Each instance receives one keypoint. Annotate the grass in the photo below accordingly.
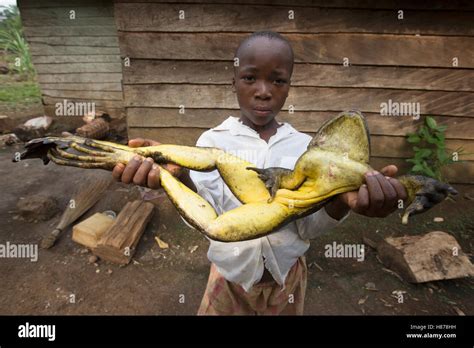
(18, 92)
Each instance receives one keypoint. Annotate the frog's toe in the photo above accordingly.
(271, 177)
(430, 193)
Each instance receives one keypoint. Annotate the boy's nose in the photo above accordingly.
(262, 90)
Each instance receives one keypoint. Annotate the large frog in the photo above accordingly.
(334, 162)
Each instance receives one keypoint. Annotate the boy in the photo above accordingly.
(265, 275)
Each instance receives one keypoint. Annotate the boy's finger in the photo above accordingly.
(376, 196)
(399, 188)
(131, 169)
(390, 170)
(117, 172)
(140, 177)
(137, 142)
(389, 193)
(153, 180)
(362, 200)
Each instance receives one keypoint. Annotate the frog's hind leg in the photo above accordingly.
(248, 221)
(243, 183)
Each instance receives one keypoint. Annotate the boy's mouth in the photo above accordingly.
(262, 111)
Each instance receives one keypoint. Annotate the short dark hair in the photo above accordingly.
(271, 35)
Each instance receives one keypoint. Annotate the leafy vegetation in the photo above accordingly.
(13, 42)
(430, 152)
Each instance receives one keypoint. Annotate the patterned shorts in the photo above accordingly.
(266, 298)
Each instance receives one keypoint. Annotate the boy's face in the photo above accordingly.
(262, 79)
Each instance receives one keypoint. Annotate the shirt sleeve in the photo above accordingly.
(317, 224)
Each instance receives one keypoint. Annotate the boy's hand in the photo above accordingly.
(377, 198)
(140, 171)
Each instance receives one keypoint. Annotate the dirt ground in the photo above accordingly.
(156, 280)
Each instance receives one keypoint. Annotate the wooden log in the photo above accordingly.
(89, 231)
(303, 98)
(420, 51)
(418, 259)
(209, 18)
(118, 243)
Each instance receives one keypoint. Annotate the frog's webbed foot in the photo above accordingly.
(271, 177)
(424, 193)
(78, 152)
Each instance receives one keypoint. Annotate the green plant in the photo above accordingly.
(430, 152)
(12, 40)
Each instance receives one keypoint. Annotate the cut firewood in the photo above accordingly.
(89, 231)
(418, 259)
(118, 243)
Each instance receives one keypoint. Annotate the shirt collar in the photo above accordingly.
(236, 127)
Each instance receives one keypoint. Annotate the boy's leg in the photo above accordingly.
(220, 297)
(290, 301)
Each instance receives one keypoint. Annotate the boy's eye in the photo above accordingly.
(248, 78)
(280, 81)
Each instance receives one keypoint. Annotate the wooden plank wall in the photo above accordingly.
(189, 62)
(77, 60)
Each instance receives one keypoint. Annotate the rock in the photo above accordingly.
(9, 139)
(438, 219)
(42, 122)
(370, 286)
(92, 259)
(37, 207)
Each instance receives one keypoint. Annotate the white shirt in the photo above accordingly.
(243, 262)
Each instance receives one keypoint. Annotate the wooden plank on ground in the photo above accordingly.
(365, 49)
(321, 75)
(304, 121)
(303, 98)
(209, 18)
(429, 257)
(119, 242)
